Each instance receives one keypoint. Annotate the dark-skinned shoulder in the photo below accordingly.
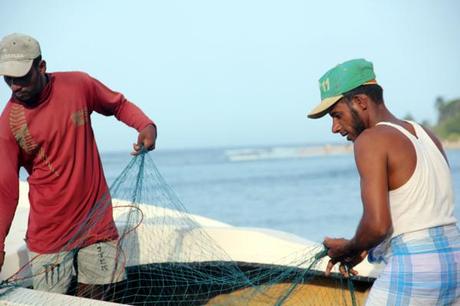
(370, 147)
(399, 151)
(374, 139)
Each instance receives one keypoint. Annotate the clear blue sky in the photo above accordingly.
(240, 73)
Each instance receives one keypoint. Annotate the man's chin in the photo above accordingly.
(351, 138)
(25, 99)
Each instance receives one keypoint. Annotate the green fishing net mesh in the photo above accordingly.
(173, 257)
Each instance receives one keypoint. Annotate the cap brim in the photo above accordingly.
(15, 68)
(322, 109)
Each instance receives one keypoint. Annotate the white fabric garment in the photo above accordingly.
(426, 199)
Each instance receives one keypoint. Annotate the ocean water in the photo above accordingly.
(310, 196)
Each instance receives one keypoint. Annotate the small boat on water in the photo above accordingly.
(252, 250)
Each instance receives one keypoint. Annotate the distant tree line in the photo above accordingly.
(448, 123)
(448, 126)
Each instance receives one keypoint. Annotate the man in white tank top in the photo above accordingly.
(406, 188)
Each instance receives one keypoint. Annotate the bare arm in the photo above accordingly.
(375, 223)
(371, 160)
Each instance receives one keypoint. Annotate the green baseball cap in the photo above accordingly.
(341, 79)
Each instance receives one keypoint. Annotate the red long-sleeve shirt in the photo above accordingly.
(70, 204)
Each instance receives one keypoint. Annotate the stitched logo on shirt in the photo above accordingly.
(18, 125)
(45, 159)
(80, 117)
(20, 131)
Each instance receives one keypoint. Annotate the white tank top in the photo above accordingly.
(427, 198)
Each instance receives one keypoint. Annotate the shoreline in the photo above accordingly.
(451, 145)
(287, 152)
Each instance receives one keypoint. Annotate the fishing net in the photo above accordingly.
(175, 258)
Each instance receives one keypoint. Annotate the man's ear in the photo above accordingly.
(361, 101)
(42, 66)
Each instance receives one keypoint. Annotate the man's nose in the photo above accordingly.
(15, 87)
(335, 126)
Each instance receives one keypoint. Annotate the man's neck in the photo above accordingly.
(379, 114)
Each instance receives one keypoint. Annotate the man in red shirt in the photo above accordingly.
(46, 128)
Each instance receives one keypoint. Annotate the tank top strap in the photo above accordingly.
(428, 142)
(403, 130)
(420, 132)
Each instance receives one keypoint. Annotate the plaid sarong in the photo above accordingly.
(423, 268)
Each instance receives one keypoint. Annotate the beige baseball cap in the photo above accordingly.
(17, 52)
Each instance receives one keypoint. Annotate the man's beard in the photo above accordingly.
(356, 123)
